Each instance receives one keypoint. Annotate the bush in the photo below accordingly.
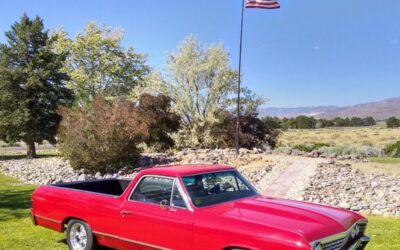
(392, 122)
(102, 137)
(252, 133)
(393, 149)
(155, 112)
(310, 147)
(364, 151)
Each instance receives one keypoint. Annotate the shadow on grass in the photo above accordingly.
(14, 203)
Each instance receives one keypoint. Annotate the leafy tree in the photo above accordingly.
(324, 123)
(369, 121)
(356, 122)
(201, 85)
(155, 112)
(102, 136)
(288, 123)
(305, 122)
(340, 122)
(32, 85)
(272, 122)
(392, 122)
(98, 64)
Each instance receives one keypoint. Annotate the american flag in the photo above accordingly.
(262, 4)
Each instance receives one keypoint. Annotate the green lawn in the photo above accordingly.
(17, 231)
(16, 228)
(385, 160)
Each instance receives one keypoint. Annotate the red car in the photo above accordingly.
(190, 207)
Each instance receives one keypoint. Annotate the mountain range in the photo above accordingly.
(380, 110)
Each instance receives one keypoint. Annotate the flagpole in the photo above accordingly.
(238, 85)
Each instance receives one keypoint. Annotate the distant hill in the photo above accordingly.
(293, 112)
(379, 110)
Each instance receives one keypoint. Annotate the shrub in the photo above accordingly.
(102, 137)
(392, 122)
(364, 151)
(393, 149)
(155, 112)
(310, 147)
(252, 133)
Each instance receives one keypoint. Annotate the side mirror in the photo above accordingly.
(164, 203)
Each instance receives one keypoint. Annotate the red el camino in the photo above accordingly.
(190, 207)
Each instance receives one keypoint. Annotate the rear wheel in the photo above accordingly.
(79, 236)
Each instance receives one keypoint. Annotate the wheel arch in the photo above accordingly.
(68, 219)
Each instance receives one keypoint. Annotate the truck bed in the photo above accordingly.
(113, 187)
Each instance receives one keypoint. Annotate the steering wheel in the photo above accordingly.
(228, 186)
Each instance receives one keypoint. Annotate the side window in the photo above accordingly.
(152, 189)
(176, 198)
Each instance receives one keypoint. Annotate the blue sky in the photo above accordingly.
(307, 53)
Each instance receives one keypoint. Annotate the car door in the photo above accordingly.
(156, 215)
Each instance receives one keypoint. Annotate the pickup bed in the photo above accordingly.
(190, 207)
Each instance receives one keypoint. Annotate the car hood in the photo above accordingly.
(309, 220)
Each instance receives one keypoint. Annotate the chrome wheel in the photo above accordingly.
(78, 237)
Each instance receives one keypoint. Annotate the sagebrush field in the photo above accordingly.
(370, 136)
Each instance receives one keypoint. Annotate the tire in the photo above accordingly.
(80, 236)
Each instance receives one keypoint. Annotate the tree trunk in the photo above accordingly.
(31, 152)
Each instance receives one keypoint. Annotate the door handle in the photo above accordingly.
(124, 212)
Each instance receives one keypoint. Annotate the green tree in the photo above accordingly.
(98, 64)
(272, 122)
(369, 121)
(201, 85)
(324, 123)
(356, 122)
(340, 122)
(305, 122)
(392, 122)
(32, 85)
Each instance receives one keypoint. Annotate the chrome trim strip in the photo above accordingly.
(339, 235)
(45, 218)
(130, 241)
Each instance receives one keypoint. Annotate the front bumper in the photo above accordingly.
(360, 243)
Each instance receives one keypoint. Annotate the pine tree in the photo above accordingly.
(32, 85)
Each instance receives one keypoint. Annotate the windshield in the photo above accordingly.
(213, 188)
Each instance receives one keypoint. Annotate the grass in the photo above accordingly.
(17, 231)
(373, 136)
(385, 160)
(384, 233)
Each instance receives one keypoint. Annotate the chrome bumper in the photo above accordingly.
(360, 243)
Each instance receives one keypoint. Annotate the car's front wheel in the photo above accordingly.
(79, 236)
